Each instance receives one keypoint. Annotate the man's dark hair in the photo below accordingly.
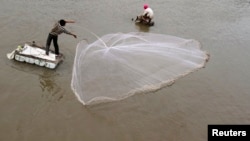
(62, 22)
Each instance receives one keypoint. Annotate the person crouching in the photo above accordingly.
(147, 14)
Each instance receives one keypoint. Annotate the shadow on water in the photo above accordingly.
(142, 28)
(51, 90)
(47, 80)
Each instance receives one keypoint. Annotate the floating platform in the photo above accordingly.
(34, 54)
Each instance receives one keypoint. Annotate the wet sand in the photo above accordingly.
(38, 104)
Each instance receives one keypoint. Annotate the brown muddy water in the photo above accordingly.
(37, 104)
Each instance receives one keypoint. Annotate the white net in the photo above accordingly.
(119, 65)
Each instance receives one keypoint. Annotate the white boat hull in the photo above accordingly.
(34, 54)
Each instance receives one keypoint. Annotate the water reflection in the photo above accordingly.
(47, 79)
(47, 83)
(142, 28)
(51, 90)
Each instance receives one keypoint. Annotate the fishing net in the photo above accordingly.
(120, 65)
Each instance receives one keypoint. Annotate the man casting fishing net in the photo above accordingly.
(55, 31)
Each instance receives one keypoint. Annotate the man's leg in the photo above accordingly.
(146, 19)
(149, 20)
(48, 44)
(55, 38)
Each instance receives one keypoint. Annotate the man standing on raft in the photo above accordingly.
(53, 35)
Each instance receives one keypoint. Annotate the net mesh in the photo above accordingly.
(120, 65)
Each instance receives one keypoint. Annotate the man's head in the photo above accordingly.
(145, 6)
(62, 22)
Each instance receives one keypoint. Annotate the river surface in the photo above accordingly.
(37, 104)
